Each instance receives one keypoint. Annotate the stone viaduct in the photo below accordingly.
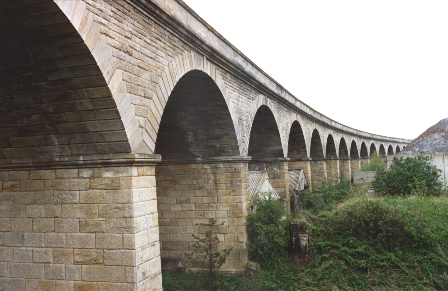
(123, 123)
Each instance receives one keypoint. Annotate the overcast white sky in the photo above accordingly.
(378, 66)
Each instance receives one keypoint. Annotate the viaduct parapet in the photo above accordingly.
(124, 124)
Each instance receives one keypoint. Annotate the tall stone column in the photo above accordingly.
(332, 165)
(277, 170)
(80, 223)
(345, 168)
(318, 172)
(355, 165)
(190, 192)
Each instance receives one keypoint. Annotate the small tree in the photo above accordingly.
(206, 249)
(407, 175)
(268, 231)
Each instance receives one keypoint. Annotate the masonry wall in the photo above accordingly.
(193, 193)
(344, 168)
(355, 165)
(318, 172)
(332, 166)
(91, 228)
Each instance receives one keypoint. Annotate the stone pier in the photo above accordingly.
(318, 172)
(79, 223)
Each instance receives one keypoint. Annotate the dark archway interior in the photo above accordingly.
(354, 153)
(296, 145)
(382, 151)
(372, 149)
(364, 152)
(343, 150)
(265, 139)
(316, 146)
(331, 148)
(54, 98)
(390, 150)
(196, 122)
(397, 150)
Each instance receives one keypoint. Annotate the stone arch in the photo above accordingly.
(264, 141)
(390, 150)
(364, 154)
(55, 99)
(382, 150)
(354, 153)
(372, 149)
(296, 143)
(330, 151)
(316, 149)
(343, 149)
(261, 101)
(196, 123)
(397, 149)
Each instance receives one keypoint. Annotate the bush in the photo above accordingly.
(406, 175)
(268, 231)
(380, 244)
(325, 197)
(376, 163)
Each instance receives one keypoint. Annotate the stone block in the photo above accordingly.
(25, 198)
(34, 239)
(79, 184)
(79, 211)
(35, 210)
(13, 239)
(55, 240)
(54, 272)
(92, 225)
(58, 185)
(53, 211)
(32, 185)
(86, 286)
(65, 285)
(66, 197)
(40, 285)
(63, 256)
(20, 175)
(119, 258)
(73, 272)
(43, 224)
(67, 173)
(6, 254)
(42, 175)
(26, 270)
(104, 273)
(109, 241)
(13, 284)
(105, 183)
(43, 255)
(92, 196)
(88, 257)
(11, 186)
(23, 255)
(66, 225)
(80, 240)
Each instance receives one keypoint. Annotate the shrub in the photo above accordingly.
(376, 163)
(268, 231)
(406, 175)
(324, 197)
(205, 250)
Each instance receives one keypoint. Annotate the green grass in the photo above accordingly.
(357, 243)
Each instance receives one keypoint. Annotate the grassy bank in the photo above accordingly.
(357, 243)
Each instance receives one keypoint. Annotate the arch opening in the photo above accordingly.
(382, 151)
(264, 141)
(318, 165)
(55, 99)
(332, 163)
(390, 150)
(343, 149)
(344, 162)
(196, 137)
(397, 149)
(373, 149)
(296, 145)
(316, 149)
(364, 152)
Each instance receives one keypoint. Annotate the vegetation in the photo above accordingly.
(406, 175)
(268, 231)
(391, 242)
(205, 250)
(376, 163)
